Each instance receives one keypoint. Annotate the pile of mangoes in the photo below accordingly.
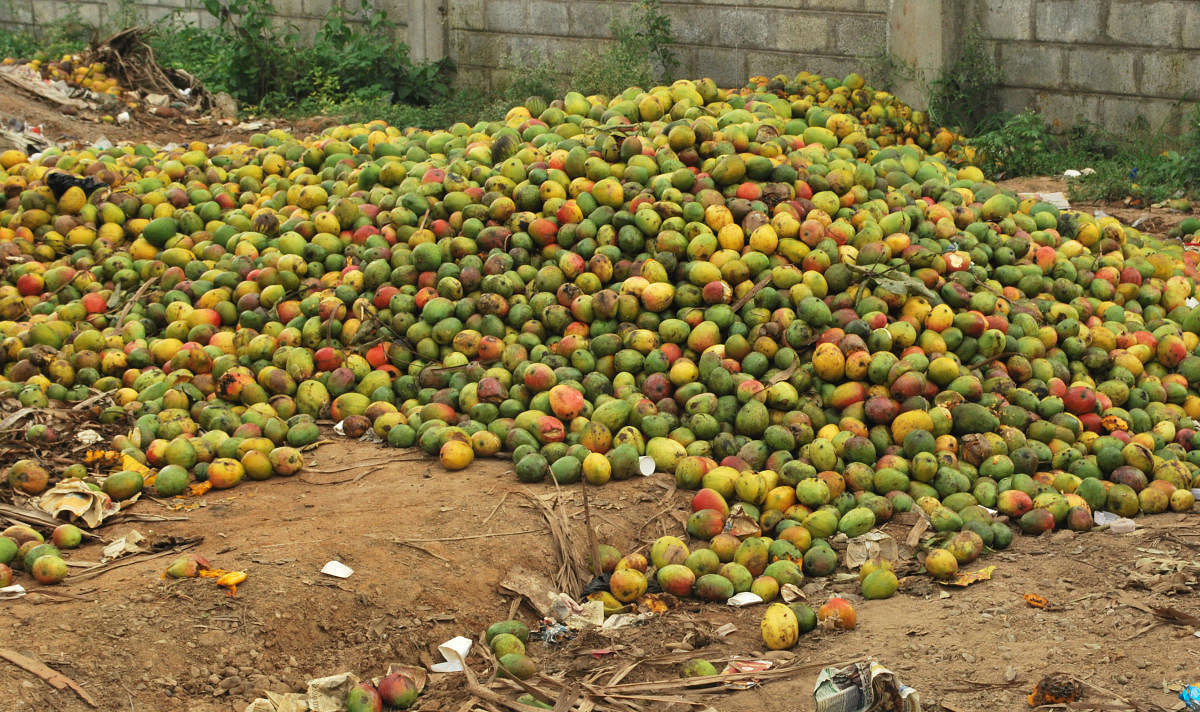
(796, 293)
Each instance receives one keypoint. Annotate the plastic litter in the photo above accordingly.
(745, 598)
(863, 687)
(338, 569)
(1191, 697)
(455, 652)
(1116, 524)
(11, 592)
(552, 632)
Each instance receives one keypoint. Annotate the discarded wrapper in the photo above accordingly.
(455, 652)
(791, 592)
(745, 598)
(872, 545)
(573, 615)
(279, 702)
(1115, 523)
(745, 666)
(1057, 198)
(328, 694)
(1191, 698)
(76, 498)
(621, 620)
(646, 465)
(128, 544)
(11, 592)
(337, 568)
(863, 687)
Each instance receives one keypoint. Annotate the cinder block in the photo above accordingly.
(1170, 74)
(737, 27)
(727, 67)
(506, 15)
(690, 24)
(1107, 69)
(801, 32)
(1032, 65)
(289, 9)
(467, 14)
(859, 35)
(1144, 23)
(1006, 19)
(688, 66)
(1121, 113)
(480, 49)
(1190, 26)
(593, 19)
(1069, 20)
(22, 14)
(548, 17)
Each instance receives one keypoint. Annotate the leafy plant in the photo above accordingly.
(68, 35)
(1022, 145)
(253, 53)
(260, 59)
(966, 95)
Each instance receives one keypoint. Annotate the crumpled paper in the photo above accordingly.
(328, 694)
(279, 702)
(873, 544)
(82, 502)
(575, 616)
(121, 546)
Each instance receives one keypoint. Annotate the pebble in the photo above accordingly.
(230, 682)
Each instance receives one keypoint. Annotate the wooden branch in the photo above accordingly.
(55, 679)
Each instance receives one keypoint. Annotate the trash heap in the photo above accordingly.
(797, 297)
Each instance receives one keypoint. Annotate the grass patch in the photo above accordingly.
(1142, 162)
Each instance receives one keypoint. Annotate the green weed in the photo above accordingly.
(966, 96)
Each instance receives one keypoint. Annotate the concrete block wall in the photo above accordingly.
(726, 40)
(1107, 61)
(305, 15)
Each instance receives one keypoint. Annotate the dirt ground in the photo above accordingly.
(135, 641)
(1148, 219)
(64, 129)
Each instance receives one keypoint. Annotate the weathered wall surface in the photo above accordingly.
(727, 41)
(424, 37)
(1107, 61)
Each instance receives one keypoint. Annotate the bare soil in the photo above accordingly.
(82, 130)
(136, 641)
(1147, 218)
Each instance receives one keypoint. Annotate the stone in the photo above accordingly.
(225, 105)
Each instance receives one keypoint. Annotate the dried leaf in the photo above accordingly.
(967, 579)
